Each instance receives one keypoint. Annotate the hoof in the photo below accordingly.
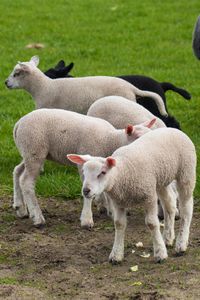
(114, 262)
(38, 221)
(159, 260)
(21, 212)
(87, 227)
(181, 253)
(87, 224)
(39, 226)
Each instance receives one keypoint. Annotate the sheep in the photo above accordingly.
(74, 94)
(143, 83)
(51, 134)
(196, 39)
(120, 111)
(142, 171)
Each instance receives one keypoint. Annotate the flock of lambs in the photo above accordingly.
(86, 121)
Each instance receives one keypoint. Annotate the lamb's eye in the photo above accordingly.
(16, 74)
(102, 173)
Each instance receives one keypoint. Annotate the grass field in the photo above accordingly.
(101, 38)
(112, 37)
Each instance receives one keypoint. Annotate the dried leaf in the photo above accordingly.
(134, 268)
(35, 46)
(136, 283)
(139, 245)
(132, 251)
(145, 255)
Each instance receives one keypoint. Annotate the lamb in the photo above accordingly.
(129, 175)
(119, 112)
(74, 94)
(51, 134)
(143, 83)
(196, 39)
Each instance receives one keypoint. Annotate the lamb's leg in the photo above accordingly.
(18, 203)
(117, 253)
(186, 211)
(168, 199)
(160, 209)
(151, 220)
(27, 184)
(86, 214)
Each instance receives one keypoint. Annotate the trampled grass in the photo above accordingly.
(101, 38)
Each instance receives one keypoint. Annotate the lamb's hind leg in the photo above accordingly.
(18, 203)
(152, 222)
(27, 184)
(168, 199)
(186, 210)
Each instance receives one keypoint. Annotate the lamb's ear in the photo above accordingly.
(129, 129)
(35, 60)
(69, 67)
(60, 65)
(110, 162)
(150, 123)
(78, 159)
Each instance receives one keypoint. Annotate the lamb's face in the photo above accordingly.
(16, 79)
(95, 178)
(96, 173)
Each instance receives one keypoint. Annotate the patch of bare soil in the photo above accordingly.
(63, 261)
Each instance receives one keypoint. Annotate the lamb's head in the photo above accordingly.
(96, 172)
(17, 79)
(136, 131)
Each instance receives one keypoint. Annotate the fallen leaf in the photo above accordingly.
(35, 45)
(139, 245)
(138, 283)
(145, 255)
(134, 268)
(132, 251)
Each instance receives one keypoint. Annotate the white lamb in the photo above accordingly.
(74, 94)
(142, 171)
(120, 111)
(51, 134)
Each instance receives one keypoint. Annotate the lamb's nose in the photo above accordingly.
(86, 191)
(6, 82)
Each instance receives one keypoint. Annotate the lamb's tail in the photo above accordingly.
(155, 97)
(196, 39)
(169, 86)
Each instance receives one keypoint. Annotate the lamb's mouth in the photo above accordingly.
(91, 197)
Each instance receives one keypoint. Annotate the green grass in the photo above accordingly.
(111, 37)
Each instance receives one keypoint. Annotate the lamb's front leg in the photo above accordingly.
(86, 214)
(119, 215)
(151, 220)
